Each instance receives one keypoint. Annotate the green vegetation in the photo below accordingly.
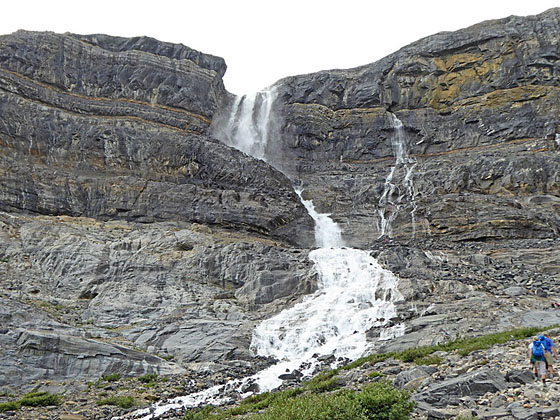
(113, 377)
(312, 401)
(41, 399)
(429, 360)
(10, 406)
(147, 378)
(323, 382)
(126, 401)
(464, 346)
(33, 399)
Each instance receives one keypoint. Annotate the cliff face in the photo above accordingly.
(123, 224)
(127, 233)
(115, 129)
(480, 114)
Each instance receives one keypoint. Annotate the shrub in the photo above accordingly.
(33, 399)
(381, 401)
(336, 406)
(41, 399)
(149, 377)
(113, 377)
(323, 382)
(122, 401)
(9, 406)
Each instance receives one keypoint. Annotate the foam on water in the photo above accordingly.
(354, 294)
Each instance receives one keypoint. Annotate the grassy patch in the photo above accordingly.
(113, 377)
(126, 401)
(41, 399)
(429, 360)
(148, 378)
(464, 346)
(10, 406)
(323, 382)
(372, 358)
(33, 399)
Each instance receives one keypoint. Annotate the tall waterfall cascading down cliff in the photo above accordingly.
(248, 125)
(402, 187)
(355, 294)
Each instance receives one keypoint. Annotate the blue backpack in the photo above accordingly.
(538, 349)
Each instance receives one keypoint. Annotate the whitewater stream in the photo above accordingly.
(354, 292)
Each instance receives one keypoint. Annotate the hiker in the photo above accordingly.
(537, 359)
(550, 350)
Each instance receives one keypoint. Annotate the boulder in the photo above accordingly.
(475, 384)
(413, 375)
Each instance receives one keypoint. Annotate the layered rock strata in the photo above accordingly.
(123, 139)
(127, 229)
(480, 113)
(128, 236)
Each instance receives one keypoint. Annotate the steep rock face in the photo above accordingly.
(126, 232)
(479, 109)
(185, 292)
(37, 347)
(124, 138)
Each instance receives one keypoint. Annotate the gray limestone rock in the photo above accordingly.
(36, 347)
(479, 119)
(474, 384)
(126, 139)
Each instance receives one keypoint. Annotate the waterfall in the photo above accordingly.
(398, 191)
(354, 294)
(327, 233)
(248, 126)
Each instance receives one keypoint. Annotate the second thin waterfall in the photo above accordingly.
(398, 192)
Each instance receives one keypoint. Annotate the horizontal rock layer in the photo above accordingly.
(479, 109)
(96, 142)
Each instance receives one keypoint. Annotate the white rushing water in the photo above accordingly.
(398, 191)
(248, 126)
(354, 293)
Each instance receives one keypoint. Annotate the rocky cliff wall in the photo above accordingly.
(127, 234)
(132, 235)
(480, 113)
(92, 126)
